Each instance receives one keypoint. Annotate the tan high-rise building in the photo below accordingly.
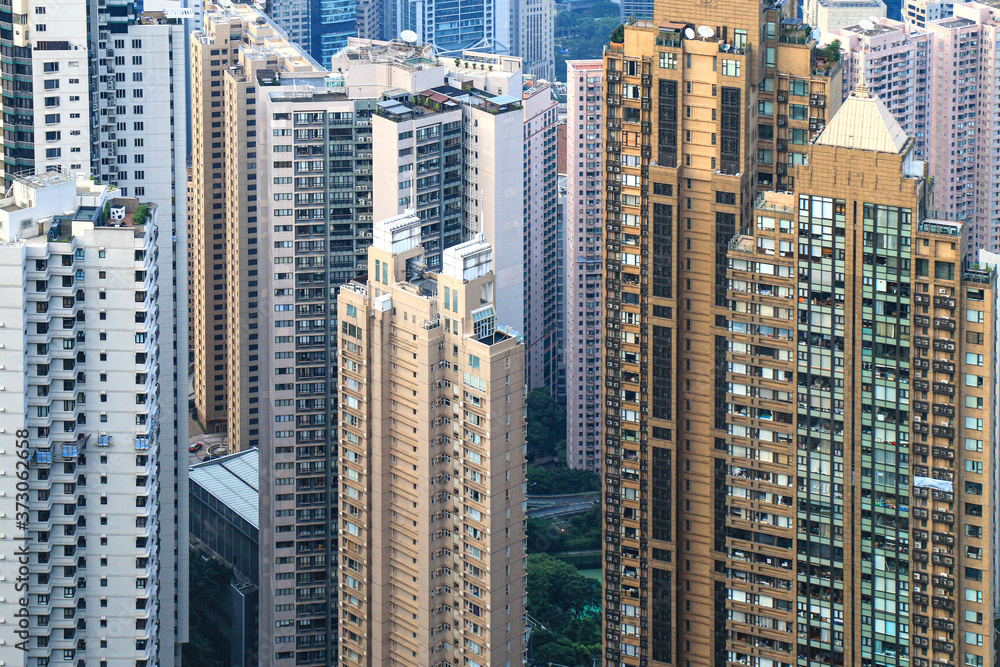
(431, 530)
(287, 158)
(800, 397)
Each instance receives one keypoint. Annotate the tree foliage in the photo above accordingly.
(568, 605)
(581, 532)
(546, 425)
(555, 481)
(581, 33)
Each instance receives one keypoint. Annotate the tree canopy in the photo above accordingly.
(554, 481)
(568, 604)
(582, 32)
(546, 426)
(581, 532)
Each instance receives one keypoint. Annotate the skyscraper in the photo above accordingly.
(101, 91)
(320, 27)
(533, 34)
(544, 262)
(88, 374)
(584, 215)
(453, 26)
(964, 127)
(893, 59)
(918, 12)
(287, 158)
(782, 374)
(432, 460)
(685, 157)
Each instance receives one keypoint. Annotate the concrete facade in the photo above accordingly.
(432, 461)
(584, 216)
(832, 14)
(893, 59)
(87, 368)
(964, 142)
(772, 495)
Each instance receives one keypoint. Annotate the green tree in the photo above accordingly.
(581, 34)
(557, 592)
(568, 605)
(545, 482)
(546, 425)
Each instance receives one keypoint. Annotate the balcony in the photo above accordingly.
(944, 388)
(944, 302)
(944, 409)
(944, 345)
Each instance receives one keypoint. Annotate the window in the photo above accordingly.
(970, 315)
(730, 67)
(668, 60)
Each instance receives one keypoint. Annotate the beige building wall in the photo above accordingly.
(782, 420)
(432, 462)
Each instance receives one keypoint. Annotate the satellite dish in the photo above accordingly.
(408, 36)
(689, 33)
(866, 25)
(705, 31)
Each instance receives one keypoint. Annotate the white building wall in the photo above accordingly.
(88, 306)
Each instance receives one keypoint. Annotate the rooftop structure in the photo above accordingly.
(233, 480)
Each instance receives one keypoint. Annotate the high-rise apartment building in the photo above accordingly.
(533, 27)
(705, 107)
(918, 13)
(320, 27)
(455, 152)
(783, 373)
(584, 218)
(287, 158)
(453, 26)
(431, 528)
(101, 91)
(544, 259)
(109, 96)
(964, 141)
(831, 14)
(89, 378)
(893, 59)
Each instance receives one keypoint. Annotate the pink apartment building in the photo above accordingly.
(891, 57)
(584, 222)
(964, 130)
